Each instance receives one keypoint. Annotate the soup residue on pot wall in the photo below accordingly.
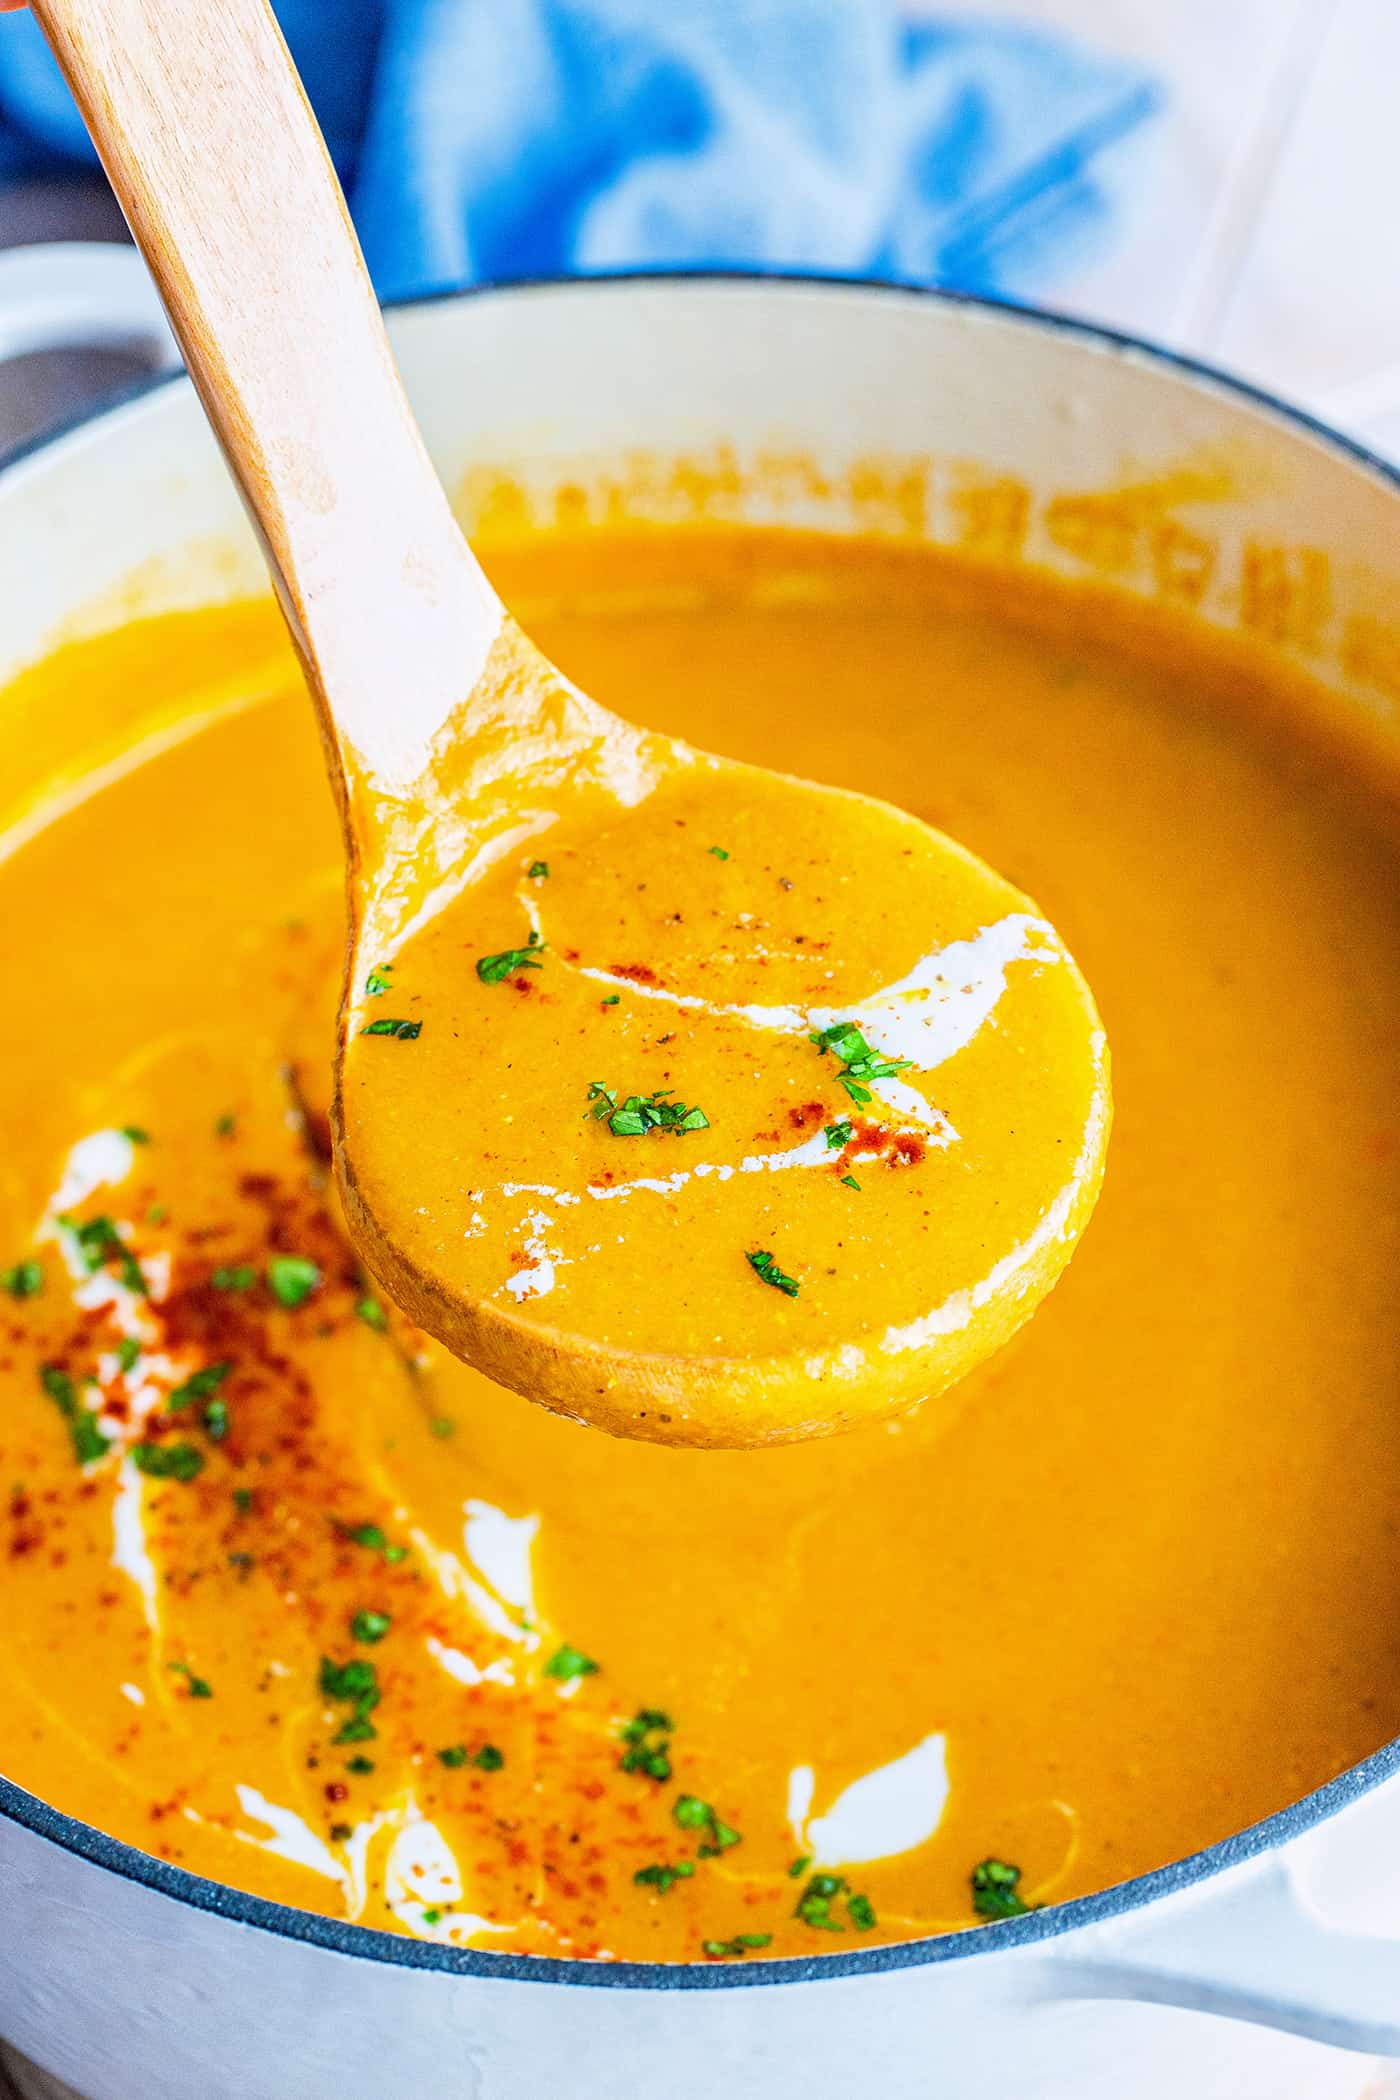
(299, 1604)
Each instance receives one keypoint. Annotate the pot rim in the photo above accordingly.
(365, 1943)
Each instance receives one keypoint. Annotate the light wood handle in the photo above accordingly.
(219, 166)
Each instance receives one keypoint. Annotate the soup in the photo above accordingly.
(299, 1603)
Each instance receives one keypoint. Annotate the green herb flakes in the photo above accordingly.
(799, 1867)
(198, 1386)
(370, 1626)
(432, 1916)
(764, 1266)
(566, 1663)
(168, 1461)
(291, 1278)
(24, 1279)
(538, 871)
(360, 1765)
(640, 1113)
(494, 969)
(815, 1905)
(849, 1181)
(89, 1444)
(613, 999)
(402, 1031)
(356, 1684)
(243, 1500)
(128, 1354)
(488, 1758)
(742, 1943)
(442, 1427)
(373, 1314)
(371, 1537)
(454, 1756)
(241, 1277)
(647, 1744)
(719, 852)
(135, 1135)
(694, 1814)
(225, 1126)
(199, 1687)
(97, 1243)
(837, 1135)
(994, 1891)
(860, 1063)
(378, 981)
(215, 1419)
(662, 1878)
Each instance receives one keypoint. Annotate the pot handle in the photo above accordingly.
(1254, 1950)
(70, 295)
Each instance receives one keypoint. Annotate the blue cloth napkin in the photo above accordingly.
(492, 139)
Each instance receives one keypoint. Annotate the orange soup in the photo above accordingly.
(298, 1602)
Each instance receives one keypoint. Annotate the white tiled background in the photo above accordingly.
(1269, 241)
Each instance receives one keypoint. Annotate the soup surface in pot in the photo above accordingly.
(300, 1604)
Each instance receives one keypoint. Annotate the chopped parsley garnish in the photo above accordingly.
(994, 1892)
(719, 853)
(372, 1313)
(442, 1426)
(291, 1278)
(378, 981)
(763, 1264)
(662, 1878)
(135, 1135)
(403, 1031)
(742, 1943)
(859, 1061)
(359, 1765)
(647, 1737)
(226, 1126)
(837, 1136)
(243, 1500)
(199, 1687)
(693, 1814)
(432, 1916)
(356, 1684)
(538, 871)
(128, 1354)
(371, 1536)
(198, 1386)
(454, 1756)
(370, 1626)
(488, 1758)
(640, 1113)
(799, 1867)
(88, 1441)
(240, 1277)
(613, 999)
(216, 1420)
(566, 1663)
(814, 1905)
(59, 1386)
(25, 1279)
(849, 1181)
(168, 1461)
(494, 969)
(97, 1242)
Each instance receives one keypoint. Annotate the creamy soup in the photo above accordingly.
(299, 1603)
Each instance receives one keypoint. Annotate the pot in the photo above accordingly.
(1246, 1971)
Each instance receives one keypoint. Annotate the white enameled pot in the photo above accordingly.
(1246, 1973)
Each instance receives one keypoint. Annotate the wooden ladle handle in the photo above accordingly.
(206, 134)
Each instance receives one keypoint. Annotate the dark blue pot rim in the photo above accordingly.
(365, 1944)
